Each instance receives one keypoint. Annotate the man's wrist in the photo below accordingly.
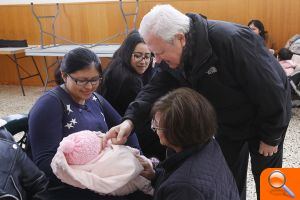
(129, 123)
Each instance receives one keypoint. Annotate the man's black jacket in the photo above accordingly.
(230, 66)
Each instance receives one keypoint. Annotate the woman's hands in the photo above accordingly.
(148, 171)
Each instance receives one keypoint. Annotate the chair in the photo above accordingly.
(295, 87)
(15, 124)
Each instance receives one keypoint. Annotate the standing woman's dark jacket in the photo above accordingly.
(19, 177)
(121, 84)
(227, 64)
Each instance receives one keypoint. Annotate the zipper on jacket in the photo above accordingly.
(13, 181)
(9, 195)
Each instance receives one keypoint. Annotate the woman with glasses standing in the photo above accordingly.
(130, 70)
(72, 108)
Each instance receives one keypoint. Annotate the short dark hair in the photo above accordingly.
(75, 60)
(188, 118)
(258, 24)
(285, 54)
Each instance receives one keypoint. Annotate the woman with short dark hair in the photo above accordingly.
(185, 113)
(185, 122)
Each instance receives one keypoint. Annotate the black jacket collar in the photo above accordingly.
(173, 161)
(198, 49)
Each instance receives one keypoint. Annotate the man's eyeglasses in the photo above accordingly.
(138, 56)
(94, 81)
(156, 128)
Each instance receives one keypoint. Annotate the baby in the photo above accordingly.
(286, 62)
(82, 161)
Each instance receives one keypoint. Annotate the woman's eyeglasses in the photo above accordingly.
(138, 56)
(94, 81)
(154, 127)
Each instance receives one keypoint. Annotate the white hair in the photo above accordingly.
(164, 21)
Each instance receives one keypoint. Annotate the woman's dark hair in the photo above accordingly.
(189, 119)
(120, 66)
(285, 54)
(124, 53)
(258, 24)
(75, 60)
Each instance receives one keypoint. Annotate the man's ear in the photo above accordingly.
(63, 76)
(181, 38)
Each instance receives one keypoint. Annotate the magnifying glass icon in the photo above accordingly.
(277, 180)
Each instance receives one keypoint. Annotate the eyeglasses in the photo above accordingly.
(139, 56)
(94, 81)
(156, 128)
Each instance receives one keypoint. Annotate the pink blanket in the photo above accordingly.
(115, 172)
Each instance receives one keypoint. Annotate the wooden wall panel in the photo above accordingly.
(281, 18)
(8, 72)
(91, 22)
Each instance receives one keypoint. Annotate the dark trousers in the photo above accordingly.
(236, 154)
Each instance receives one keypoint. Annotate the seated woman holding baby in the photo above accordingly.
(71, 107)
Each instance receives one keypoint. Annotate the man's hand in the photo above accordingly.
(267, 150)
(119, 134)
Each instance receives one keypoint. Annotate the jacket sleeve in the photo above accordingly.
(179, 191)
(32, 179)
(140, 108)
(265, 83)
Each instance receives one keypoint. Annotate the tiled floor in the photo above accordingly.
(12, 102)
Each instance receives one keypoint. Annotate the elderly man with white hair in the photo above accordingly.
(229, 65)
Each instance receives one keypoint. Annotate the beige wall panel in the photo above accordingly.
(91, 22)
(8, 72)
(281, 18)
